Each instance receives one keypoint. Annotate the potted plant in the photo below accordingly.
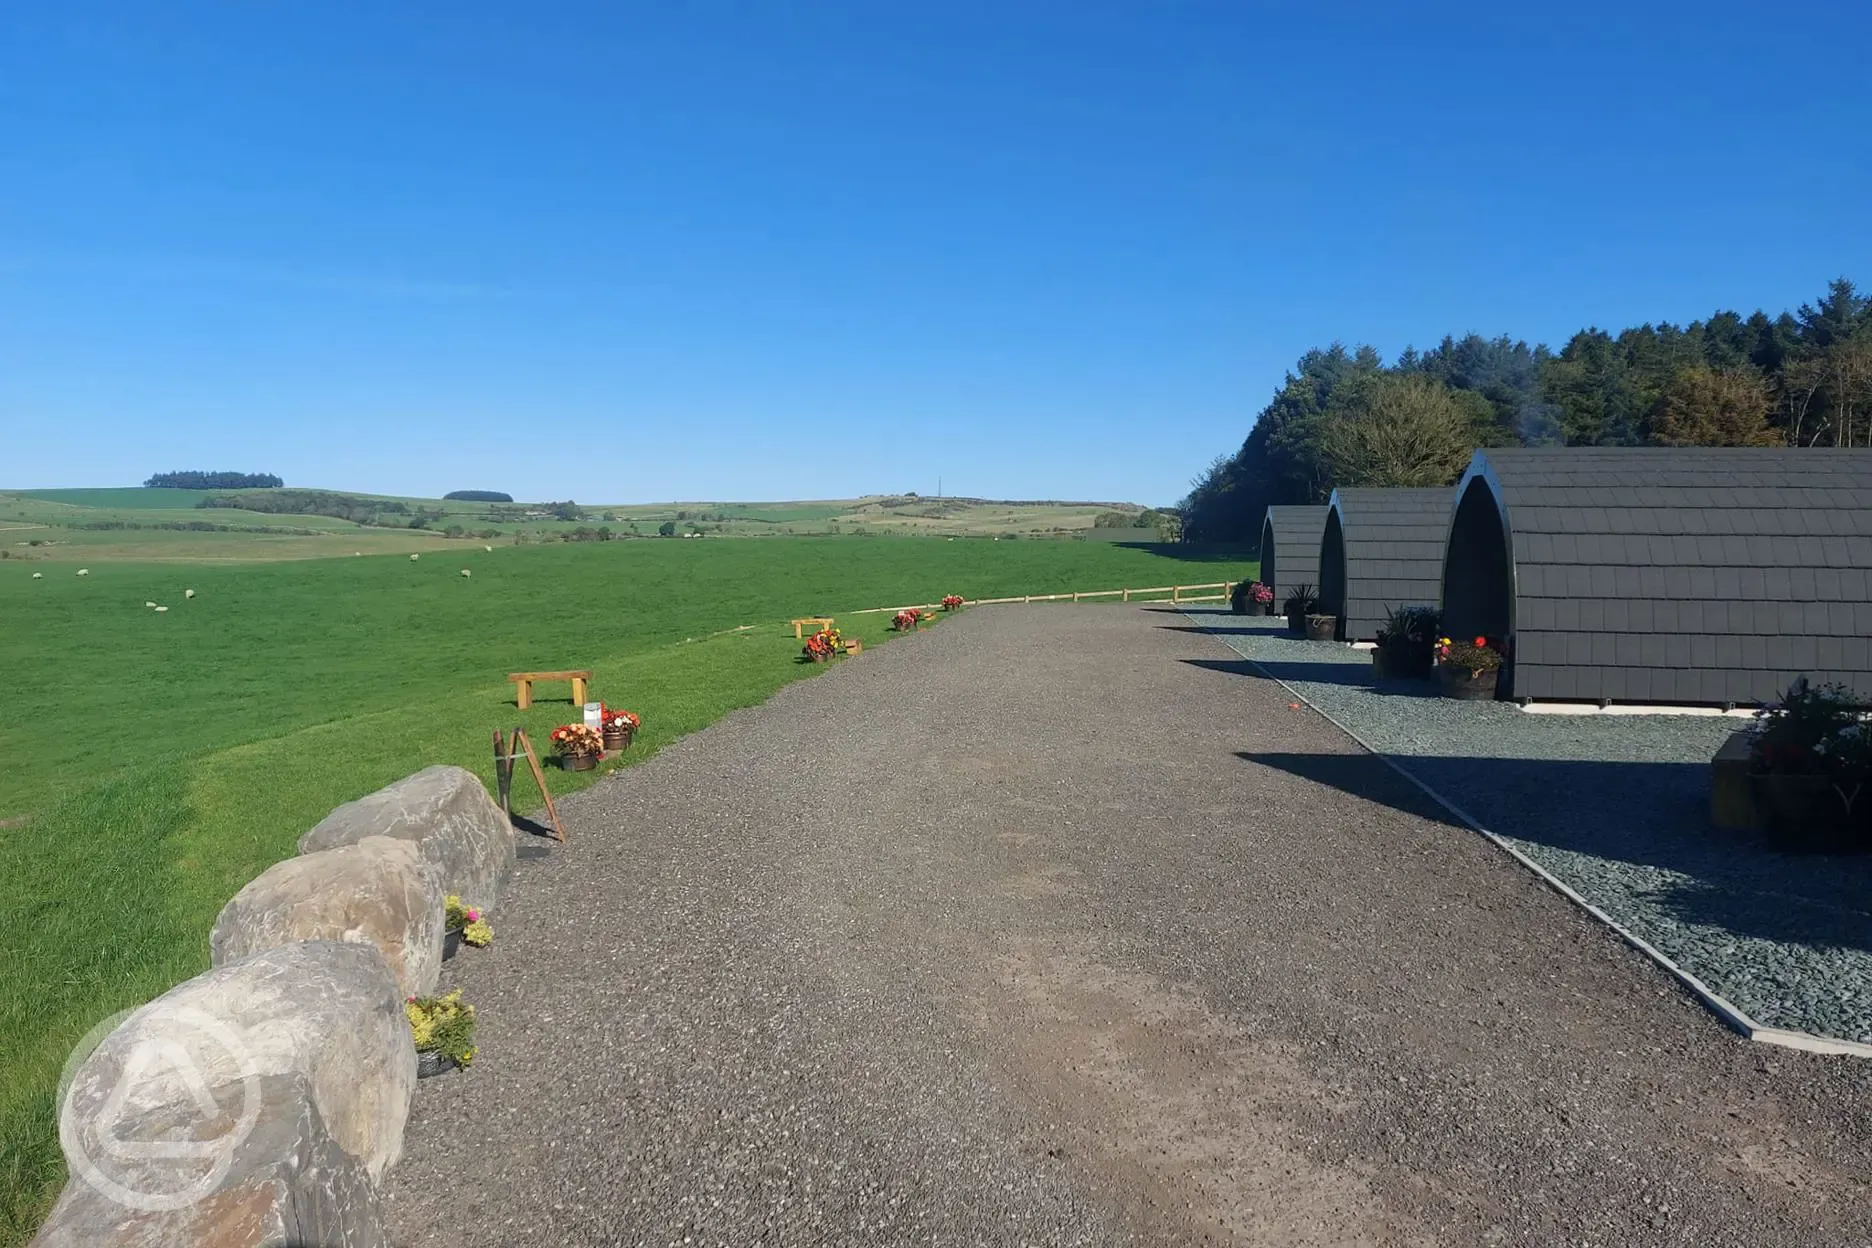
(823, 645)
(579, 748)
(618, 727)
(952, 602)
(1407, 642)
(1251, 598)
(1810, 769)
(1468, 670)
(906, 620)
(464, 926)
(442, 1029)
(1302, 601)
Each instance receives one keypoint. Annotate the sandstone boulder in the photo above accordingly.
(201, 1181)
(328, 1012)
(447, 813)
(379, 891)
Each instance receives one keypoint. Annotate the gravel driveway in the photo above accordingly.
(1000, 935)
(1618, 807)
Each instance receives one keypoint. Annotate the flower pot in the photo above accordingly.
(577, 762)
(1814, 814)
(818, 657)
(429, 1065)
(451, 943)
(1401, 662)
(619, 740)
(1459, 683)
(1296, 624)
(1321, 627)
(1263, 608)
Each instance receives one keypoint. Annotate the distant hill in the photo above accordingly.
(183, 523)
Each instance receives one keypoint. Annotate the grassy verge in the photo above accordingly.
(166, 760)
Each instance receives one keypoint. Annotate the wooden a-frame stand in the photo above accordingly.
(504, 759)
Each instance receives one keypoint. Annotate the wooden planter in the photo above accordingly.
(1813, 814)
(1321, 627)
(1458, 683)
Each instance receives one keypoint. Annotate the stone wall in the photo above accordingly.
(261, 1102)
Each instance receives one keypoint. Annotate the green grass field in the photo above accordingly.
(151, 764)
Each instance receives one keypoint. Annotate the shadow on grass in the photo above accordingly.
(1647, 814)
(1196, 554)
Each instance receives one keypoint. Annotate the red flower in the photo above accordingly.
(1481, 641)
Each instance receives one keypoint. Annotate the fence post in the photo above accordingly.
(1127, 595)
(1075, 595)
(1176, 593)
(1027, 601)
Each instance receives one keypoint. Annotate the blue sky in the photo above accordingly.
(624, 252)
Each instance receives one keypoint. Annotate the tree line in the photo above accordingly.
(214, 481)
(1343, 417)
(386, 513)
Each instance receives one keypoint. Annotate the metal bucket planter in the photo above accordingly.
(619, 740)
(578, 762)
(429, 1065)
(1321, 627)
(1814, 814)
(1459, 683)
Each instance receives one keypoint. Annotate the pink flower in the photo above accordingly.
(474, 916)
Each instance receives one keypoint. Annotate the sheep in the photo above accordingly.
(188, 593)
(38, 576)
(489, 549)
(160, 610)
(466, 572)
(84, 571)
(149, 604)
(414, 558)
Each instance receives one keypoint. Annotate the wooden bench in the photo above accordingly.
(817, 621)
(523, 696)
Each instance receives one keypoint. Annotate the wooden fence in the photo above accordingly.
(1178, 594)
